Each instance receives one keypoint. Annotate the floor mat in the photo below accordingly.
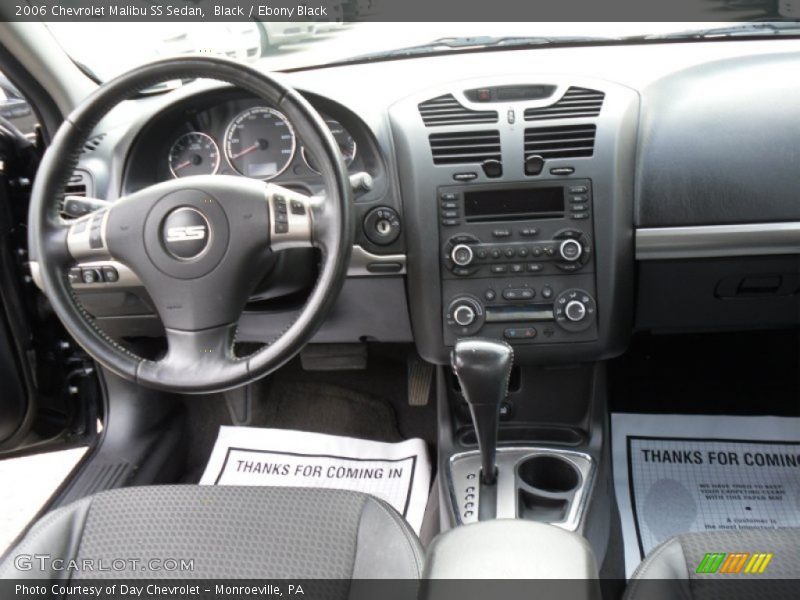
(677, 473)
(399, 473)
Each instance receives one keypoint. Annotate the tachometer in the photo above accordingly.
(345, 141)
(259, 143)
(193, 153)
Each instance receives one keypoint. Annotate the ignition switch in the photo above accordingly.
(382, 225)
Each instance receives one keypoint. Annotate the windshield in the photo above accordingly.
(290, 45)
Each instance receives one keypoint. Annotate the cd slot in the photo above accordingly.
(527, 313)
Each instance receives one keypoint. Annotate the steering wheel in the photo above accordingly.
(199, 245)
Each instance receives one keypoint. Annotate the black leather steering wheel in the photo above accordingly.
(199, 245)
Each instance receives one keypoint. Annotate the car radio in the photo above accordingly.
(517, 261)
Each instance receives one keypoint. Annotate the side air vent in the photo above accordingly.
(446, 110)
(570, 141)
(93, 143)
(465, 147)
(575, 103)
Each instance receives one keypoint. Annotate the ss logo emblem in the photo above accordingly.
(189, 232)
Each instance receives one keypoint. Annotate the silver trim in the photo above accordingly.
(464, 465)
(360, 259)
(753, 239)
(127, 278)
(78, 243)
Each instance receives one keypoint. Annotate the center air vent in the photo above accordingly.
(465, 147)
(575, 103)
(446, 110)
(570, 141)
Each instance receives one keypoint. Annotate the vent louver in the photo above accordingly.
(92, 143)
(575, 103)
(570, 141)
(446, 110)
(465, 147)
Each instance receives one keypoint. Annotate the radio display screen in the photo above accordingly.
(516, 203)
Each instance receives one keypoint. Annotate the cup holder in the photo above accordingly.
(546, 486)
(549, 473)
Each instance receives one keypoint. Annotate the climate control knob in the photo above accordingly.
(461, 255)
(570, 250)
(575, 311)
(464, 315)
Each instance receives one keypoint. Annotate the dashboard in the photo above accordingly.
(556, 198)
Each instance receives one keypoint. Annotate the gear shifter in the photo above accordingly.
(483, 368)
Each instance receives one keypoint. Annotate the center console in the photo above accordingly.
(518, 205)
(517, 262)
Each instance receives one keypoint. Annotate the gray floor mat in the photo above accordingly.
(325, 408)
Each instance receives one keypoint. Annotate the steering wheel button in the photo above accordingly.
(110, 274)
(90, 276)
(74, 275)
(281, 228)
(298, 208)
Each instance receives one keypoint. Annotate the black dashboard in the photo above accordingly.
(560, 200)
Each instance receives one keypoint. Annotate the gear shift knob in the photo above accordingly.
(483, 368)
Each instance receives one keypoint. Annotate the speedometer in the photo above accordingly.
(259, 143)
(193, 153)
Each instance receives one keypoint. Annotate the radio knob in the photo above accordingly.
(575, 311)
(464, 315)
(461, 255)
(570, 250)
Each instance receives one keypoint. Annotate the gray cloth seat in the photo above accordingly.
(671, 569)
(228, 533)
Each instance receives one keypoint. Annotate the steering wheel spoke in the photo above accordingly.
(291, 218)
(205, 355)
(87, 237)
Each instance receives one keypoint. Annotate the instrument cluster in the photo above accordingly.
(233, 136)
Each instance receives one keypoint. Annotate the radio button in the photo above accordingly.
(450, 214)
(580, 215)
(547, 292)
(518, 294)
(509, 252)
(449, 205)
(579, 198)
(517, 268)
(537, 251)
(448, 196)
(496, 253)
(529, 232)
(481, 253)
(578, 189)
(499, 269)
(570, 250)
(534, 267)
(449, 222)
(523, 252)
(490, 294)
(501, 233)
(461, 255)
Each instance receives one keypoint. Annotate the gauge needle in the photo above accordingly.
(247, 150)
(184, 164)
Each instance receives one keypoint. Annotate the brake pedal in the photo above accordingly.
(420, 378)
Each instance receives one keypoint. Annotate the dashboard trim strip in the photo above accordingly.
(717, 241)
(360, 260)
